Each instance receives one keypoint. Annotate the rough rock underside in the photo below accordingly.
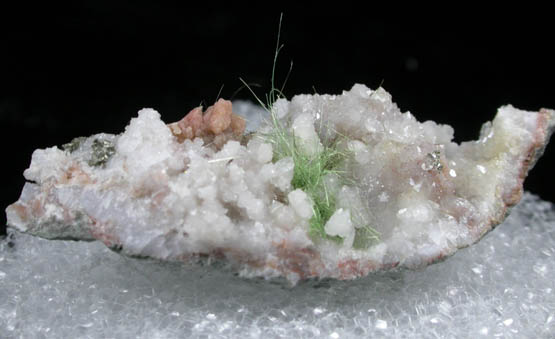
(329, 186)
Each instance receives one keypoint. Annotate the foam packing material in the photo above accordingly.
(500, 287)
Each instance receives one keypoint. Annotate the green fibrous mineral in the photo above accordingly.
(310, 170)
(308, 175)
(102, 151)
(365, 236)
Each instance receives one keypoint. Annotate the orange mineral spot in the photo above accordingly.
(217, 124)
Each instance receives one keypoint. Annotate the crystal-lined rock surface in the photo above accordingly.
(328, 186)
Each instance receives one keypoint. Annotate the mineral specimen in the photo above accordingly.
(218, 124)
(329, 186)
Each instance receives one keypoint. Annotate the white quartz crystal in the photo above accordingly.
(148, 193)
(301, 203)
(303, 128)
(340, 225)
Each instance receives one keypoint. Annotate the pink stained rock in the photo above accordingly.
(218, 116)
(218, 124)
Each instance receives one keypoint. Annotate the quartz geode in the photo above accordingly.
(360, 186)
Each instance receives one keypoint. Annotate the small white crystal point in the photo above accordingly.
(301, 203)
(303, 129)
(340, 224)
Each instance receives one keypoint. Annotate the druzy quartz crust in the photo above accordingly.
(389, 192)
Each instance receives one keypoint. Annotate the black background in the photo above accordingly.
(86, 68)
